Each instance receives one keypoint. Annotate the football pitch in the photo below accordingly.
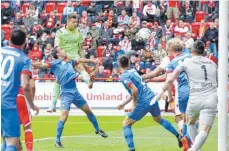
(79, 135)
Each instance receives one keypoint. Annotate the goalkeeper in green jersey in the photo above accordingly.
(70, 40)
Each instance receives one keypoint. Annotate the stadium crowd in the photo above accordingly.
(138, 28)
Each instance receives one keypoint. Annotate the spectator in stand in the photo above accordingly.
(117, 54)
(84, 29)
(100, 18)
(181, 29)
(187, 12)
(147, 57)
(51, 38)
(125, 45)
(212, 10)
(159, 54)
(149, 12)
(7, 13)
(112, 19)
(28, 21)
(29, 43)
(216, 23)
(35, 54)
(39, 4)
(108, 55)
(123, 19)
(152, 42)
(173, 10)
(115, 75)
(211, 37)
(43, 40)
(134, 20)
(163, 42)
(79, 8)
(105, 34)
(131, 31)
(158, 31)
(203, 5)
(89, 45)
(167, 30)
(68, 9)
(118, 7)
(37, 30)
(100, 74)
(46, 73)
(94, 32)
(202, 28)
(188, 41)
(144, 32)
(137, 43)
(128, 7)
(33, 11)
(4, 42)
(17, 20)
(85, 19)
(49, 22)
(93, 9)
(48, 48)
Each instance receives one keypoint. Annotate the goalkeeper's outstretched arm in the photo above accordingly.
(41, 65)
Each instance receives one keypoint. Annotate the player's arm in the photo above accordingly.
(33, 89)
(41, 65)
(81, 51)
(121, 106)
(152, 73)
(161, 78)
(83, 60)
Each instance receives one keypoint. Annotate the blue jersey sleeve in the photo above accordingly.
(170, 67)
(27, 67)
(126, 81)
(74, 62)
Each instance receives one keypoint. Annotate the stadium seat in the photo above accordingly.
(25, 6)
(200, 15)
(60, 7)
(85, 3)
(108, 73)
(100, 51)
(6, 29)
(195, 27)
(42, 15)
(50, 7)
(59, 16)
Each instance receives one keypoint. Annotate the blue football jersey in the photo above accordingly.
(14, 62)
(131, 76)
(64, 73)
(182, 80)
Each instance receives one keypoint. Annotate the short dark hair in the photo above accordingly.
(124, 61)
(71, 16)
(54, 53)
(18, 36)
(198, 47)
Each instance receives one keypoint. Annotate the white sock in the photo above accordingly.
(180, 125)
(200, 139)
(192, 132)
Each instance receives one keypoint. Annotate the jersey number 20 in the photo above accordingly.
(10, 68)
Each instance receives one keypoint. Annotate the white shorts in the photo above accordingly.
(205, 108)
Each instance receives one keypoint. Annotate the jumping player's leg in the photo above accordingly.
(28, 137)
(128, 134)
(82, 104)
(56, 94)
(155, 112)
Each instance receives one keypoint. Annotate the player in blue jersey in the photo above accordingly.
(183, 86)
(16, 71)
(141, 96)
(63, 69)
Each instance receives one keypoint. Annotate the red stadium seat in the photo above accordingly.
(50, 7)
(60, 7)
(25, 6)
(195, 27)
(42, 15)
(200, 15)
(85, 2)
(100, 51)
(6, 29)
(2, 5)
(108, 73)
(59, 16)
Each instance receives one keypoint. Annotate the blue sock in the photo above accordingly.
(11, 148)
(93, 120)
(184, 130)
(3, 147)
(59, 130)
(167, 125)
(128, 134)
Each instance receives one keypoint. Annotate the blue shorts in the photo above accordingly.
(140, 111)
(10, 123)
(183, 101)
(68, 98)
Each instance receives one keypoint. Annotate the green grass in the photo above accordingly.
(78, 135)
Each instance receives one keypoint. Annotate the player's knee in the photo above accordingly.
(27, 127)
(126, 122)
(64, 116)
(205, 128)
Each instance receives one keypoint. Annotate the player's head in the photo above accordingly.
(58, 53)
(123, 61)
(198, 48)
(176, 46)
(72, 22)
(18, 37)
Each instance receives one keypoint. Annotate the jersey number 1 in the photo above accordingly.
(205, 72)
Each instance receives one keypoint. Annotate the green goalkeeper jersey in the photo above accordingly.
(70, 41)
